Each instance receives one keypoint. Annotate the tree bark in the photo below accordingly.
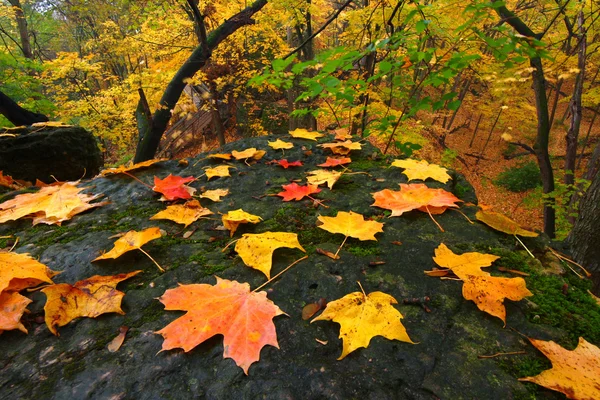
(17, 114)
(22, 26)
(585, 235)
(148, 144)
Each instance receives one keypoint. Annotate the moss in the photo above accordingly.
(461, 190)
(524, 365)
(70, 370)
(199, 258)
(364, 249)
(213, 269)
(4, 242)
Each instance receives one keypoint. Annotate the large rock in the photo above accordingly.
(47, 152)
(443, 364)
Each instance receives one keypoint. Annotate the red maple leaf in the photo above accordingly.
(293, 191)
(285, 164)
(173, 187)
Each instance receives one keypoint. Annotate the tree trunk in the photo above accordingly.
(148, 144)
(23, 31)
(17, 114)
(585, 235)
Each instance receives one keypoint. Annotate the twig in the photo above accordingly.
(152, 259)
(564, 258)
(510, 353)
(279, 274)
(339, 248)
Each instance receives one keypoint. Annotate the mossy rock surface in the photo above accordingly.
(444, 364)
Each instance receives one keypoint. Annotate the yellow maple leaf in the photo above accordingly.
(575, 373)
(20, 271)
(363, 317)
(464, 264)
(234, 218)
(12, 307)
(301, 133)
(342, 148)
(350, 224)
(320, 176)
(281, 145)
(220, 156)
(183, 213)
(502, 223)
(131, 167)
(248, 153)
(489, 292)
(256, 250)
(342, 134)
(132, 240)
(220, 171)
(87, 298)
(215, 194)
(421, 169)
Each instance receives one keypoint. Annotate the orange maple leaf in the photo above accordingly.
(131, 167)
(293, 191)
(285, 164)
(9, 182)
(12, 307)
(87, 298)
(414, 196)
(174, 188)
(244, 318)
(132, 240)
(334, 162)
(576, 373)
(20, 271)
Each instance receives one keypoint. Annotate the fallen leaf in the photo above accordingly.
(233, 219)
(576, 373)
(293, 191)
(131, 167)
(334, 162)
(220, 171)
(87, 298)
(12, 307)
(363, 317)
(327, 253)
(229, 308)
(131, 240)
(183, 213)
(174, 188)
(321, 176)
(421, 169)
(220, 156)
(9, 182)
(414, 196)
(489, 292)
(20, 271)
(464, 264)
(215, 194)
(256, 250)
(309, 310)
(301, 133)
(117, 342)
(342, 134)
(342, 148)
(248, 153)
(281, 145)
(285, 164)
(351, 224)
(502, 223)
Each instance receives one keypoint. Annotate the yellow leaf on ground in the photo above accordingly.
(321, 176)
(342, 148)
(351, 224)
(233, 219)
(215, 194)
(220, 156)
(87, 298)
(502, 223)
(19, 271)
(183, 213)
(301, 133)
(281, 145)
(489, 292)
(421, 169)
(463, 264)
(576, 373)
(12, 307)
(342, 134)
(363, 317)
(131, 167)
(256, 250)
(220, 171)
(248, 153)
(131, 240)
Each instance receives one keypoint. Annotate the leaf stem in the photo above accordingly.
(339, 248)
(433, 219)
(280, 273)
(137, 179)
(319, 202)
(525, 247)
(152, 259)
(229, 244)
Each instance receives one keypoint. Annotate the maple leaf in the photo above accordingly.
(301, 133)
(9, 182)
(489, 292)
(502, 223)
(415, 169)
(87, 298)
(233, 219)
(576, 373)
(342, 148)
(464, 264)
(350, 224)
(173, 187)
(131, 167)
(281, 145)
(248, 153)
(334, 162)
(12, 307)
(132, 240)
(215, 194)
(220, 156)
(414, 196)
(362, 317)
(20, 271)
(220, 171)
(229, 308)
(320, 176)
(256, 250)
(183, 214)
(285, 164)
(293, 191)
(50, 205)
(342, 134)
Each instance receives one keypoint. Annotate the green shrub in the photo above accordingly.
(521, 178)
